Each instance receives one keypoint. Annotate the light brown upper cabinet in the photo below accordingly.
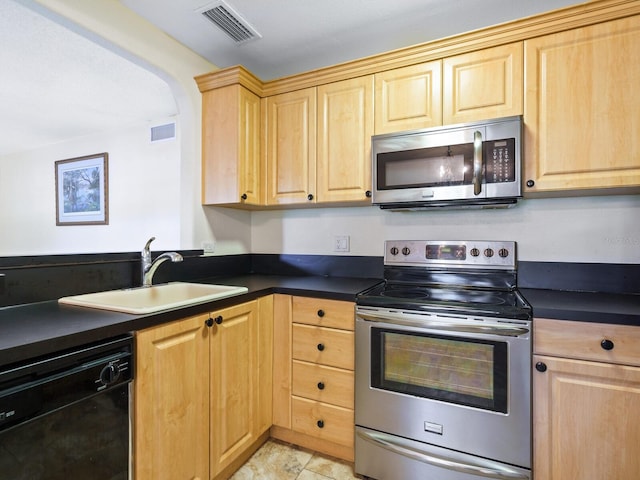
(318, 143)
(232, 173)
(408, 98)
(290, 146)
(483, 84)
(581, 109)
(345, 126)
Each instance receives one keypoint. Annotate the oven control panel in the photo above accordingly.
(451, 253)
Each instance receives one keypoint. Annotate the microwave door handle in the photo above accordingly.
(477, 162)
(488, 470)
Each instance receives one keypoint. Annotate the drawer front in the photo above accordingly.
(587, 341)
(324, 313)
(324, 384)
(326, 346)
(322, 421)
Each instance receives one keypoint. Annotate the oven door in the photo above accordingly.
(454, 382)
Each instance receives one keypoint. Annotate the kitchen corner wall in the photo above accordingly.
(603, 229)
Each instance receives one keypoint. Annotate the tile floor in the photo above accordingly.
(277, 460)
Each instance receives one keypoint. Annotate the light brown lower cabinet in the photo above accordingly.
(203, 393)
(313, 382)
(586, 414)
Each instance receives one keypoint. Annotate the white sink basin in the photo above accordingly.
(155, 298)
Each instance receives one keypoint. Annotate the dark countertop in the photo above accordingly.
(32, 330)
(35, 329)
(584, 306)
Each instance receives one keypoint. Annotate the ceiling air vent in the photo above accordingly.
(231, 22)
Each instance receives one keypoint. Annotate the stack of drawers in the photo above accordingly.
(322, 369)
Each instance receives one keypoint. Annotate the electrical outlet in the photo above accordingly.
(209, 247)
(341, 243)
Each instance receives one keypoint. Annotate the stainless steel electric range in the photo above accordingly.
(443, 365)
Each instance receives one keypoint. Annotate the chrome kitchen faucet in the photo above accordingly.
(149, 267)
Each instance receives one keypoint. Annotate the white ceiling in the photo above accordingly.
(56, 85)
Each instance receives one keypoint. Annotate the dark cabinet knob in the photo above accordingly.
(321, 346)
(218, 319)
(310, 197)
(320, 385)
(209, 322)
(541, 367)
(367, 194)
(321, 313)
(530, 183)
(607, 344)
(320, 423)
(244, 196)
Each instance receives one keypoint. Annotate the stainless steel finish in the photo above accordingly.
(478, 193)
(416, 254)
(390, 457)
(477, 162)
(478, 432)
(149, 267)
(479, 325)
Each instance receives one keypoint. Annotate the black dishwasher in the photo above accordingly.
(66, 416)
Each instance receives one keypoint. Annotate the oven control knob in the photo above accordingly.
(406, 251)
(474, 252)
(394, 251)
(503, 252)
(488, 252)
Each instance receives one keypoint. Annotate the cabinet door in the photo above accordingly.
(582, 107)
(408, 98)
(171, 412)
(282, 368)
(290, 125)
(345, 126)
(234, 383)
(585, 418)
(231, 165)
(483, 84)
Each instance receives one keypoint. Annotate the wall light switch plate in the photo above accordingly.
(341, 243)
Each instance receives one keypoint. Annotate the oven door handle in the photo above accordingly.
(488, 469)
(502, 330)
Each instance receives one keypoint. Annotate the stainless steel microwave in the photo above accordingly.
(475, 164)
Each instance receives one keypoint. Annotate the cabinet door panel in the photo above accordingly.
(585, 420)
(345, 126)
(582, 107)
(234, 384)
(169, 418)
(483, 84)
(290, 124)
(408, 98)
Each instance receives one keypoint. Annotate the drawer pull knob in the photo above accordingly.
(321, 313)
(320, 423)
(320, 385)
(321, 346)
(607, 344)
(541, 367)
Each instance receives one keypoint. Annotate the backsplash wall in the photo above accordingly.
(596, 229)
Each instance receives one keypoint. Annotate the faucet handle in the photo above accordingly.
(146, 247)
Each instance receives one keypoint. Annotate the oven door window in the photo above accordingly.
(457, 370)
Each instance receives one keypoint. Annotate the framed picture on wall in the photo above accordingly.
(82, 190)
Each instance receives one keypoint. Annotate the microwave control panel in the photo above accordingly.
(500, 160)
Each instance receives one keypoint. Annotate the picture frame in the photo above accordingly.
(82, 190)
